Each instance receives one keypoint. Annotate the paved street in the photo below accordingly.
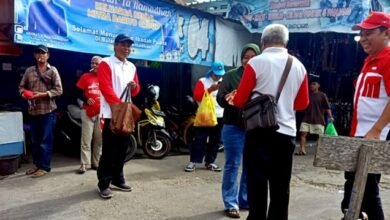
(161, 191)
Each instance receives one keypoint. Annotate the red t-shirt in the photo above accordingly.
(89, 83)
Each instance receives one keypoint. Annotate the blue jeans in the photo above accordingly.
(42, 137)
(234, 195)
(200, 148)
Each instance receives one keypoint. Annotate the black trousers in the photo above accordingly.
(113, 157)
(200, 149)
(268, 157)
(371, 204)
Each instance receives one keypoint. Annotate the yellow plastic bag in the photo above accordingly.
(205, 116)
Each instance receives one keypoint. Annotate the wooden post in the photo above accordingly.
(358, 155)
(359, 184)
(341, 153)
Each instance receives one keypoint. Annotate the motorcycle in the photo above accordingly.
(68, 130)
(180, 124)
(150, 130)
(180, 121)
(68, 133)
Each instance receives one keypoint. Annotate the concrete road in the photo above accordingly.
(161, 190)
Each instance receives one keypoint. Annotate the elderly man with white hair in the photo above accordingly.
(268, 154)
(90, 123)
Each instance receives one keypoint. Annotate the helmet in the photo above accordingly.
(189, 104)
(152, 92)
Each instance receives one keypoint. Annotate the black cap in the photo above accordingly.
(313, 77)
(42, 48)
(123, 38)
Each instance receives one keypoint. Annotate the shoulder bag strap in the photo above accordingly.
(48, 86)
(286, 71)
(126, 94)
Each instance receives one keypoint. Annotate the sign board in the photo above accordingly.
(304, 15)
(161, 31)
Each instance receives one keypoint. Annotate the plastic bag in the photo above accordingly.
(206, 116)
(331, 130)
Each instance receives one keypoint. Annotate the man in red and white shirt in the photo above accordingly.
(268, 154)
(90, 123)
(115, 73)
(371, 112)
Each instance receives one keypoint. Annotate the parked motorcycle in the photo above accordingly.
(150, 131)
(68, 130)
(180, 122)
(68, 133)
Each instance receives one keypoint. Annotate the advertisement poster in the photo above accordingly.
(161, 31)
(304, 15)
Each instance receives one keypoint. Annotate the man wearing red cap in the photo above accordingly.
(371, 114)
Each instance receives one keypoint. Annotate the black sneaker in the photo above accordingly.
(190, 167)
(122, 187)
(105, 193)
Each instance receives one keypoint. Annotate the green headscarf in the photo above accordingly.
(237, 73)
(250, 46)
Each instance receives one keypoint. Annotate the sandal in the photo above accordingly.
(81, 170)
(39, 173)
(232, 213)
(300, 153)
(32, 170)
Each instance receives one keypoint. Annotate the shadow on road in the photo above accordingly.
(46, 208)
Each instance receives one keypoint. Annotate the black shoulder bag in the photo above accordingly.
(260, 112)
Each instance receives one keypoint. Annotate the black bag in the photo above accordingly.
(260, 112)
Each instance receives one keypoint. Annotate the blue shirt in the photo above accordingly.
(47, 18)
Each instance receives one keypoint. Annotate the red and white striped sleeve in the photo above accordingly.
(105, 83)
(302, 99)
(198, 91)
(244, 90)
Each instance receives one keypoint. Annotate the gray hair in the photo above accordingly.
(275, 34)
(98, 58)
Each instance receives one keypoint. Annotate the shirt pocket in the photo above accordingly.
(372, 86)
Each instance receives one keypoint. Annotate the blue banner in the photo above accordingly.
(304, 15)
(161, 31)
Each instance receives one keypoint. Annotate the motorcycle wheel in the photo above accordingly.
(132, 149)
(157, 148)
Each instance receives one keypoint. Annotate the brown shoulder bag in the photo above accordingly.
(124, 115)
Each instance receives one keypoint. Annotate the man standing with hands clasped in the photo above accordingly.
(371, 109)
(89, 93)
(115, 73)
(40, 85)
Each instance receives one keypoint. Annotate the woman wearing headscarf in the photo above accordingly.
(234, 193)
